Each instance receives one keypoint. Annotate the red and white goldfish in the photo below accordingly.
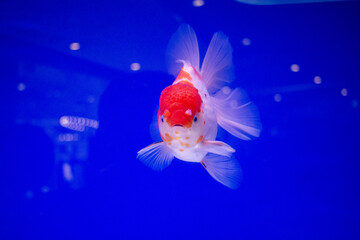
(195, 104)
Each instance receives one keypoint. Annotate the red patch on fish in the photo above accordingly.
(177, 99)
(184, 75)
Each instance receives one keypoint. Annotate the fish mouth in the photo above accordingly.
(178, 125)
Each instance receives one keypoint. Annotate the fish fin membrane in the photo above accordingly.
(217, 68)
(217, 147)
(236, 114)
(183, 45)
(156, 156)
(223, 169)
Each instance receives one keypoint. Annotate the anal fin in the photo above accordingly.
(225, 170)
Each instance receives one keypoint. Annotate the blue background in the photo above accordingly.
(300, 178)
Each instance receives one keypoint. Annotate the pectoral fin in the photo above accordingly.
(156, 156)
(236, 114)
(216, 147)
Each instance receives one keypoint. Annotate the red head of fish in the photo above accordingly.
(179, 104)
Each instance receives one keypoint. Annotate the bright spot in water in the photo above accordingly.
(226, 90)
(77, 123)
(295, 68)
(246, 42)
(277, 97)
(344, 92)
(67, 172)
(198, 3)
(75, 46)
(64, 121)
(21, 87)
(135, 66)
(317, 80)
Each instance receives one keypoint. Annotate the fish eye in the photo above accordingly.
(195, 119)
(162, 119)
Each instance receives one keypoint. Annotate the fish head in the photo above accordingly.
(180, 105)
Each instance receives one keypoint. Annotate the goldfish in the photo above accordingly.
(198, 101)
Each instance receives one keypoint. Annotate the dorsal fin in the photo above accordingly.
(217, 68)
(183, 47)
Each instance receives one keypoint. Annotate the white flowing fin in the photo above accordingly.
(183, 45)
(217, 68)
(224, 169)
(236, 114)
(156, 156)
(216, 147)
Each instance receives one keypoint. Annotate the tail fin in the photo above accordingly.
(225, 170)
(183, 45)
(236, 114)
(217, 68)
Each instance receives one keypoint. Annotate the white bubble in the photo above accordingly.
(135, 66)
(21, 87)
(246, 41)
(295, 68)
(198, 3)
(64, 121)
(75, 46)
(277, 97)
(226, 90)
(344, 92)
(317, 80)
